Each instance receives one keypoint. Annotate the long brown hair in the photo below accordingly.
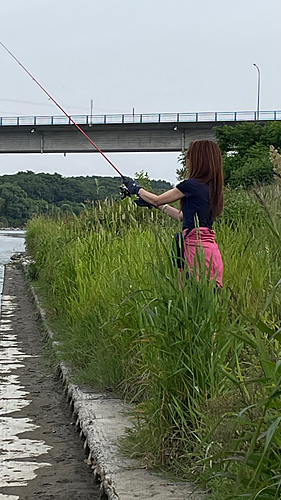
(204, 163)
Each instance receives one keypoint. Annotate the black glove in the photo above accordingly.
(141, 203)
(132, 186)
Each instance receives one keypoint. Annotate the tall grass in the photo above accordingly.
(202, 366)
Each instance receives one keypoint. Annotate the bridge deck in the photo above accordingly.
(117, 133)
(143, 118)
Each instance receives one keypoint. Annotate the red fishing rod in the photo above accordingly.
(64, 112)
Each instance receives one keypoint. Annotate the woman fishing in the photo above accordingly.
(201, 202)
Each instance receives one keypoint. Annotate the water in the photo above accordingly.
(11, 242)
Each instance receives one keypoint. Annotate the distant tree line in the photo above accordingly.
(26, 194)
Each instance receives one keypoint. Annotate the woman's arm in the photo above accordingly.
(174, 213)
(158, 200)
(161, 201)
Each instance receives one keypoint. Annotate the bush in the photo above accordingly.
(241, 205)
(245, 149)
(254, 168)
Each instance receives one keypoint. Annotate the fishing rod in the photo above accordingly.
(124, 192)
(64, 112)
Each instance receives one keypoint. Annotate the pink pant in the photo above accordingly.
(203, 238)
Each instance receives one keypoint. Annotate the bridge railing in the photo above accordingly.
(143, 118)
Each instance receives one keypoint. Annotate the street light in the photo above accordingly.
(259, 85)
(92, 105)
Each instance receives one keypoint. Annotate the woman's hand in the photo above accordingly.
(132, 186)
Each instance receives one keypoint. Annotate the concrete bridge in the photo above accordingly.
(156, 132)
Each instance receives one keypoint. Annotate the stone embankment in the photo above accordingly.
(102, 421)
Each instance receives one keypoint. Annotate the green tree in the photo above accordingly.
(16, 207)
(245, 149)
(181, 172)
(143, 178)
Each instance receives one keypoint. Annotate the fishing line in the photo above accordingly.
(63, 111)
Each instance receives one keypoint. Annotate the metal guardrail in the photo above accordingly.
(143, 118)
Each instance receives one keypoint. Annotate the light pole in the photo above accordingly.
(92, 105)
(259, 87)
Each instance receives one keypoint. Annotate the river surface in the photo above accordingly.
(11, 242)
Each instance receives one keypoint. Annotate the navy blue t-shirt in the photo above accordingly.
(196, 203)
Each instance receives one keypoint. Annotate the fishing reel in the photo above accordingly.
(124, 193)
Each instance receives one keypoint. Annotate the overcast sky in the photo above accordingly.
(150, 55)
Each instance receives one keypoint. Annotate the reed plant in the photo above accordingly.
(201, 366)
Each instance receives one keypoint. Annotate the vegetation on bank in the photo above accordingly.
(202, 366)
